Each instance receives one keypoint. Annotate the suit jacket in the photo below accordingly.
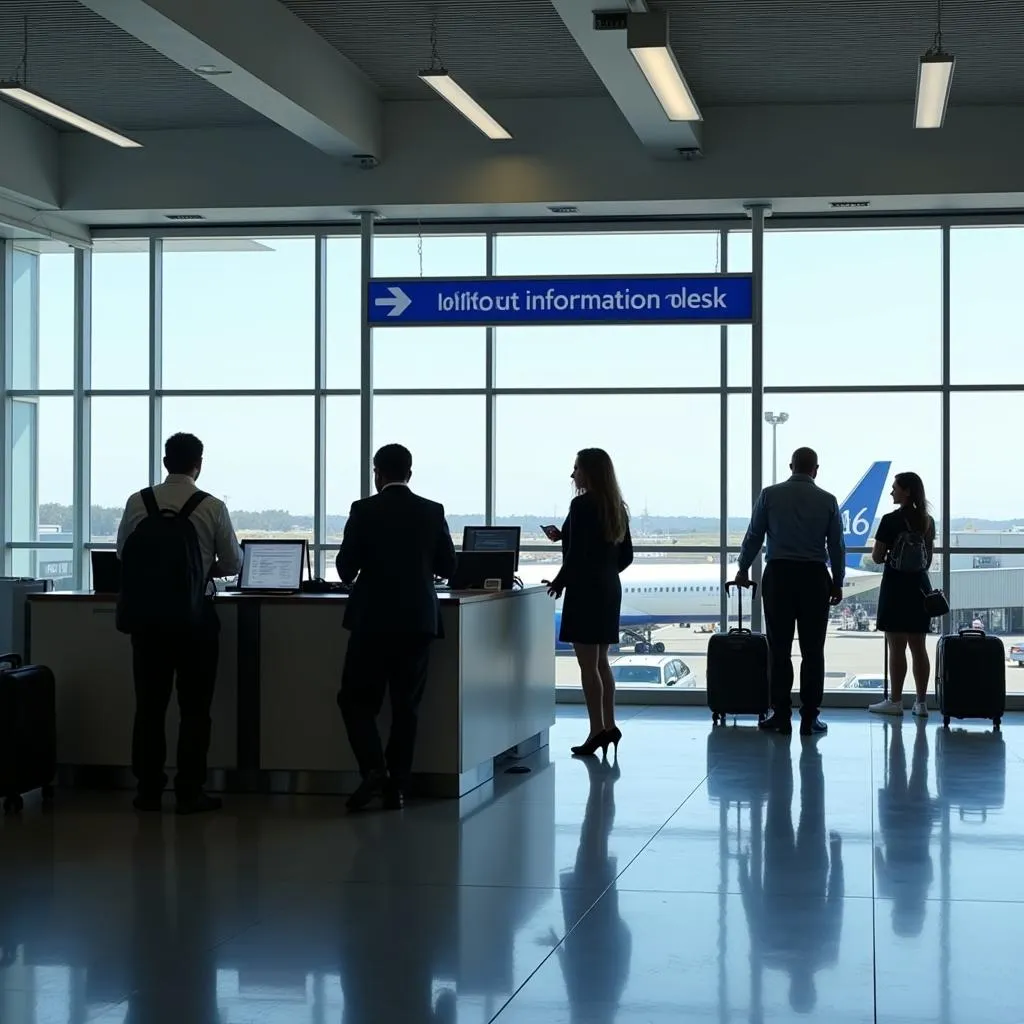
(395, 543)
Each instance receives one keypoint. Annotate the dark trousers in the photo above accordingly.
(159, 660)
(374, 663)
(795, 596)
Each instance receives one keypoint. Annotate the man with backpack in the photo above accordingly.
(173, 540)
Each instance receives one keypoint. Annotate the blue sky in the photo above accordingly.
(849, 307)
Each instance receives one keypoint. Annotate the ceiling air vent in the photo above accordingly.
(184, 216)
(564, 209)
(849, 204)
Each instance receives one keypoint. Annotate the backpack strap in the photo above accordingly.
(149, 500)
(192, 504)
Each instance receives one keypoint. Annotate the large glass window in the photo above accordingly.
(258, 457)
(431, 357)
(445, 435)
(862, 440)
(43, 316)
(986, 305)
(342, 301)
(843, 309)
(607, 356)
(120, 460)
(664, 448)
(53, 564)
(852, 307)
(42, 458)
(238, 313)
(120, 315)
(343, 447)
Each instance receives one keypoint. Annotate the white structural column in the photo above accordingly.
(489, 402)
(156, 359)
(758, 212)
(82, 420)
(320, 402)
(618, 70)
(947, 462)
(365, 356)
(277, 65)
(723, 445)
(6, 411)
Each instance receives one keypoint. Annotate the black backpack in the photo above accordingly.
(163, 585)
(909, 551)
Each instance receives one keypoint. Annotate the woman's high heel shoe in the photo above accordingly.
(589, 749)
(613, 736)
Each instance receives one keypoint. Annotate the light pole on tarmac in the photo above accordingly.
(775, 419)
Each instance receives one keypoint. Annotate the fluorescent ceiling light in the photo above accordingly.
(934, 79)
(647, 39)
(20, 94)
(447, 88)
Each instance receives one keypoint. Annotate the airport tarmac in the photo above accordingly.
(847, 654)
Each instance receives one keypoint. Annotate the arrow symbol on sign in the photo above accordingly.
(399, 301)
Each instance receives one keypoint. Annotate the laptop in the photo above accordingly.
(272, 566)
(106, 572)
(473, 567)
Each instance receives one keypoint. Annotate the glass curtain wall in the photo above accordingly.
(885, 348)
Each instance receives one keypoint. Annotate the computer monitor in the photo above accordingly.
(474, 568)
(106, 572)
(492, 538)
(273, 566)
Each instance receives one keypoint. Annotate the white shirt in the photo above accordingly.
(217, 541)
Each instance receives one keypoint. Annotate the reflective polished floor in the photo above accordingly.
(874, 874)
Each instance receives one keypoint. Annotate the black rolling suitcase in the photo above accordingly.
(28, 731)
(970, 676)
(737, 672)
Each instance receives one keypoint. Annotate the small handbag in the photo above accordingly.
(935, 603)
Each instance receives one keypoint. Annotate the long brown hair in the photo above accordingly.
(916, 512)
(599, 480)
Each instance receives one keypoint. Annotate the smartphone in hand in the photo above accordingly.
(552, 533)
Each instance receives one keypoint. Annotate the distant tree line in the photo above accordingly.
(105, 520)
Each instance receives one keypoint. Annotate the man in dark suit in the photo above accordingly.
(395, 543)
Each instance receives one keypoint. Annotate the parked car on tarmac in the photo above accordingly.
(652, 670)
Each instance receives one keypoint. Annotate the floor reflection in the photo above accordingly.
(595, 954)
(906, 814)
(706, 880)
(795, 906)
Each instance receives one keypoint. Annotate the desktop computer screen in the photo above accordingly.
(272, 565)
(492, 538)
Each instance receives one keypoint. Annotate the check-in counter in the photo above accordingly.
(276, 723)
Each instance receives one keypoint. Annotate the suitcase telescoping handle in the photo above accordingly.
(739, 597)
(10, 660)
(970, 632)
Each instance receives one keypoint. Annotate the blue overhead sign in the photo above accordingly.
(522, 301)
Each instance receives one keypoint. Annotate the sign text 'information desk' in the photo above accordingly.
(567, 301)
(276, 723)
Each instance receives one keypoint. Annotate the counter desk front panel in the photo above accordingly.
(276, 722)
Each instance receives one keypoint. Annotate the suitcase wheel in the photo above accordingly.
(996, 722)
(47, 795)
(945, 721)
(714, 718)
(13, 805)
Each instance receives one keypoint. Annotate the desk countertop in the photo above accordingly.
(444, 596)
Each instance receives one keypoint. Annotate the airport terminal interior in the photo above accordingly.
(695, 235)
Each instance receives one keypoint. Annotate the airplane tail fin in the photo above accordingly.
(859, 509)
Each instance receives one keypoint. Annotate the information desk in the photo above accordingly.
(276, 723)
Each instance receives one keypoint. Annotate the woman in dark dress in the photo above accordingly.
(596, 547)
(904, 542)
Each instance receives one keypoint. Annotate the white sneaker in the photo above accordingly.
(887, 707)
(920, 709)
